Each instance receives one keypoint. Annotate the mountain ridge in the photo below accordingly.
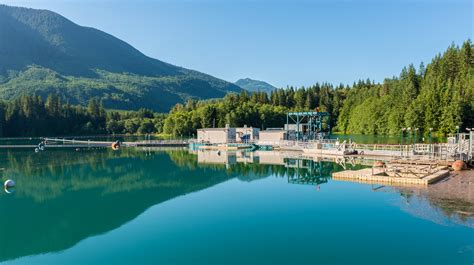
(253, 85)
(34, 41)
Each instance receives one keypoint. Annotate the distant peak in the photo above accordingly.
(255, 85)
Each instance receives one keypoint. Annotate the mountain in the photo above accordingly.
(254, 85)
(42, 52)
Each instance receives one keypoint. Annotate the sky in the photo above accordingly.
(295, 43)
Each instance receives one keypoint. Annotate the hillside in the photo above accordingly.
(42, 52)
(255, 85)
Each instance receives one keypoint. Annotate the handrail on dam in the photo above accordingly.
(128, 144)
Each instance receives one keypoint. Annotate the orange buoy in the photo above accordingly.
(116, 146)
(458, 165)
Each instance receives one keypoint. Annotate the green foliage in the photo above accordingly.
(55, 83)
(237, 110)
(440, 96)
(31, 116)
(116, 90)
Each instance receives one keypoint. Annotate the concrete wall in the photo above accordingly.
(216, 135)
(232, 157)
(270, 157)
(293, 127)
(272, 136)
(216, 157)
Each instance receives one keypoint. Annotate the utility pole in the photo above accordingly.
(409, 139)
(458, 141)
(431, 142)
(402, 134)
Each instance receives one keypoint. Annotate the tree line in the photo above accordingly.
(257, 109)
(438, 96)
(32, 116)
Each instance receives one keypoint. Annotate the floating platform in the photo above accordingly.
(367, 175)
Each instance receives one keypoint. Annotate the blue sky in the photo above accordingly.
(282, 42)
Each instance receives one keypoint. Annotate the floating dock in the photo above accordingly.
(367, 175)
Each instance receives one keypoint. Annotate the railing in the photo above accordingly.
(107, 143)
(73, 141)
(157, 142)
(379, 147)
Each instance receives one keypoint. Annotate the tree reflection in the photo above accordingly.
(63, 197)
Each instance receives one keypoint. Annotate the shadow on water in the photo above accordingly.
(63, 196)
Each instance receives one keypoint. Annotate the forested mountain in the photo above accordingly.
(42, 53)
(252, 85)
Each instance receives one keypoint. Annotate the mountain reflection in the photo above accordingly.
(63, 196)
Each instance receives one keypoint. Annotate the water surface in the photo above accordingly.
(173, 207)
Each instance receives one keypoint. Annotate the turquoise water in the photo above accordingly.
(163, 207)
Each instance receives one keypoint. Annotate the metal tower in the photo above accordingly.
(308, 125)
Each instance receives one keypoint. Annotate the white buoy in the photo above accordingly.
(9, 184)
(36, 150)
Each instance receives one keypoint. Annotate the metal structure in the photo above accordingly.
(302, 171)
(308, 125)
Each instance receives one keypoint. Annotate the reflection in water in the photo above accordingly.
(297, 170)
(62, 201)
(436, 211)
(63, 196)
(447, 202)
(443, 203)
(9, 190)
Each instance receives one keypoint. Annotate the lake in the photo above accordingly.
(143, 206)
